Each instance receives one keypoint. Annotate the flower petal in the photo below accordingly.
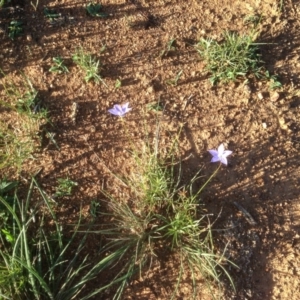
(118, 108)
(113, 112)
(221, 149)
(215, 159)
(223, 160)
(226, 153)
(213, 152)
(125, 106)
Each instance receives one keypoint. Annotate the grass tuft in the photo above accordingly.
(15, 29)
(65, 186)
(89, 65)
(95, 10)
(37, 261)
(236, 56)
(23, 116)
(158, 210)
(58, 66)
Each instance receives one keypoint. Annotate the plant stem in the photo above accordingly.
(208, 180)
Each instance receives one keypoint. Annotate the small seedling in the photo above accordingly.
(253, 19)
(20, 137)
(51, 14)
(95, 208)
(59, 66)
(235, 56)
(30, 103)
(156, 106)
(95, 10)
(171, 46)
(51, 137)
(65, 186)
(274, 82)
(90, 65)
(15, 29)
(175, 80)
(118, 84)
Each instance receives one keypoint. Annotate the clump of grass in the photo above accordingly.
(35, 260)
(20, 127)
(15, 29)
(58, 66)
(235, 56)
(89, 65)
(51, 14)
(95, 10)
(65, 187)
(170, 47)
(118, 84)
(175, 80)
(159, 210)
(255, 19)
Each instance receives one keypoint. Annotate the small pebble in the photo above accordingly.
(260, 96)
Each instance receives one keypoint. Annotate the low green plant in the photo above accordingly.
(37, 261)
(255, 19)
(19, 131)
(15, 29)
(155, 106)
(118, 84)
(24, 98)
(175, 80)
(170, 47)
(274, 82)
(51, 14)
(159, 210)
(95, 10)
(58, 66)
(235, 56)
(89, 65)
(65, 187)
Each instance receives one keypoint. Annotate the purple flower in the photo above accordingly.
(220, 154)
(120, 110)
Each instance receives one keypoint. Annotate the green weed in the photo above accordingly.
(20, 127)
(65, 186)
(35, 261)
(15, 29)
(170, 47)
(159, 210)
(89, 65)
(95, 10)
(274, 82)
(118, 84)
(51, 14)
(255, 20)
(236, 56)
(175, 80)
(58, 66)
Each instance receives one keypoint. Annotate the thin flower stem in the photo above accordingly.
(209, 179)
